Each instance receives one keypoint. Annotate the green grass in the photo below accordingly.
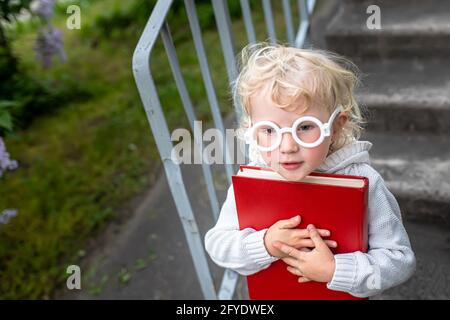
(82, 164)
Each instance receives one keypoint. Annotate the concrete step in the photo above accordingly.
(431, 245)
(406, 94)
(408, 28)
(416, 169)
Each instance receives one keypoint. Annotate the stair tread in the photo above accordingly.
(397, 18)
(417, 83)
(413, 164)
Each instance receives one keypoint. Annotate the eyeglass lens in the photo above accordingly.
(267, 135)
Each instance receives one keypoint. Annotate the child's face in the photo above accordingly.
(303, 160)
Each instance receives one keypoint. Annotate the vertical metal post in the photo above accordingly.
(288, 19)
(305, 9)
(223, 22)
(227, 41)
(268, 16)
(247, 14)
(207, 79)
(187, 104)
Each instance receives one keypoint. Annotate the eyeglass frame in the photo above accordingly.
(324, 131)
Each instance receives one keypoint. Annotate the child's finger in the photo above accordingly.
(295, 271)
(314, 234)
(303, 279)
(291, 223)
(300, 233)
(308, 243)
(290, 251)
(324, 232)
(304, 233)
(290, 261)
(305, 243)
(331, 243)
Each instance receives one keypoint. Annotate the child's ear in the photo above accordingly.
(340, 121)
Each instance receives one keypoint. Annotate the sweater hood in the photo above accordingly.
(356, 152)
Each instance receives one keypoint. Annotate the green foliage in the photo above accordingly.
(32, 96)
(113, 22)
(10, 9)
(5, 64)
(35, 98)
(121, 16)
(6, 122)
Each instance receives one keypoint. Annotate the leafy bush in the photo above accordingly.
(6, 123)
(24, 97)
(111, 23)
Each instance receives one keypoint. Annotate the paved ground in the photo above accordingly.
(150, 249)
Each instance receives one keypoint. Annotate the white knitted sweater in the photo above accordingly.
(389, 261)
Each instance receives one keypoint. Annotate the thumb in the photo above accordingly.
(291, 223)
(315, 237)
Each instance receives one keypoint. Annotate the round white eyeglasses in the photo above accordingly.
(307, 131)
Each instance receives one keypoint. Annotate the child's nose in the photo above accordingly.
(288, 144)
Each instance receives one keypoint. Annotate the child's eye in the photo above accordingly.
(268, 131)
(305, 127)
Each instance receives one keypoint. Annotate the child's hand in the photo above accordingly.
(317, 264)
(286, 232)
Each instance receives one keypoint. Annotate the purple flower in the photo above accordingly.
(5, 162)
(6, 215)
(45, 9)
(48, 43)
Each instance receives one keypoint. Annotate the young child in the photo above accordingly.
(309, 95)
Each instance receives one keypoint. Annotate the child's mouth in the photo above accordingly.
(291, 165)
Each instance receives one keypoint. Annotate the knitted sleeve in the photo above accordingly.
(390, 259)
(240, 250)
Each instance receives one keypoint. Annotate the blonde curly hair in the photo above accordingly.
(294, 75)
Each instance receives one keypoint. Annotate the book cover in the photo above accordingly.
(329, 201)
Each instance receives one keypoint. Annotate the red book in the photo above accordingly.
(329, 201)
